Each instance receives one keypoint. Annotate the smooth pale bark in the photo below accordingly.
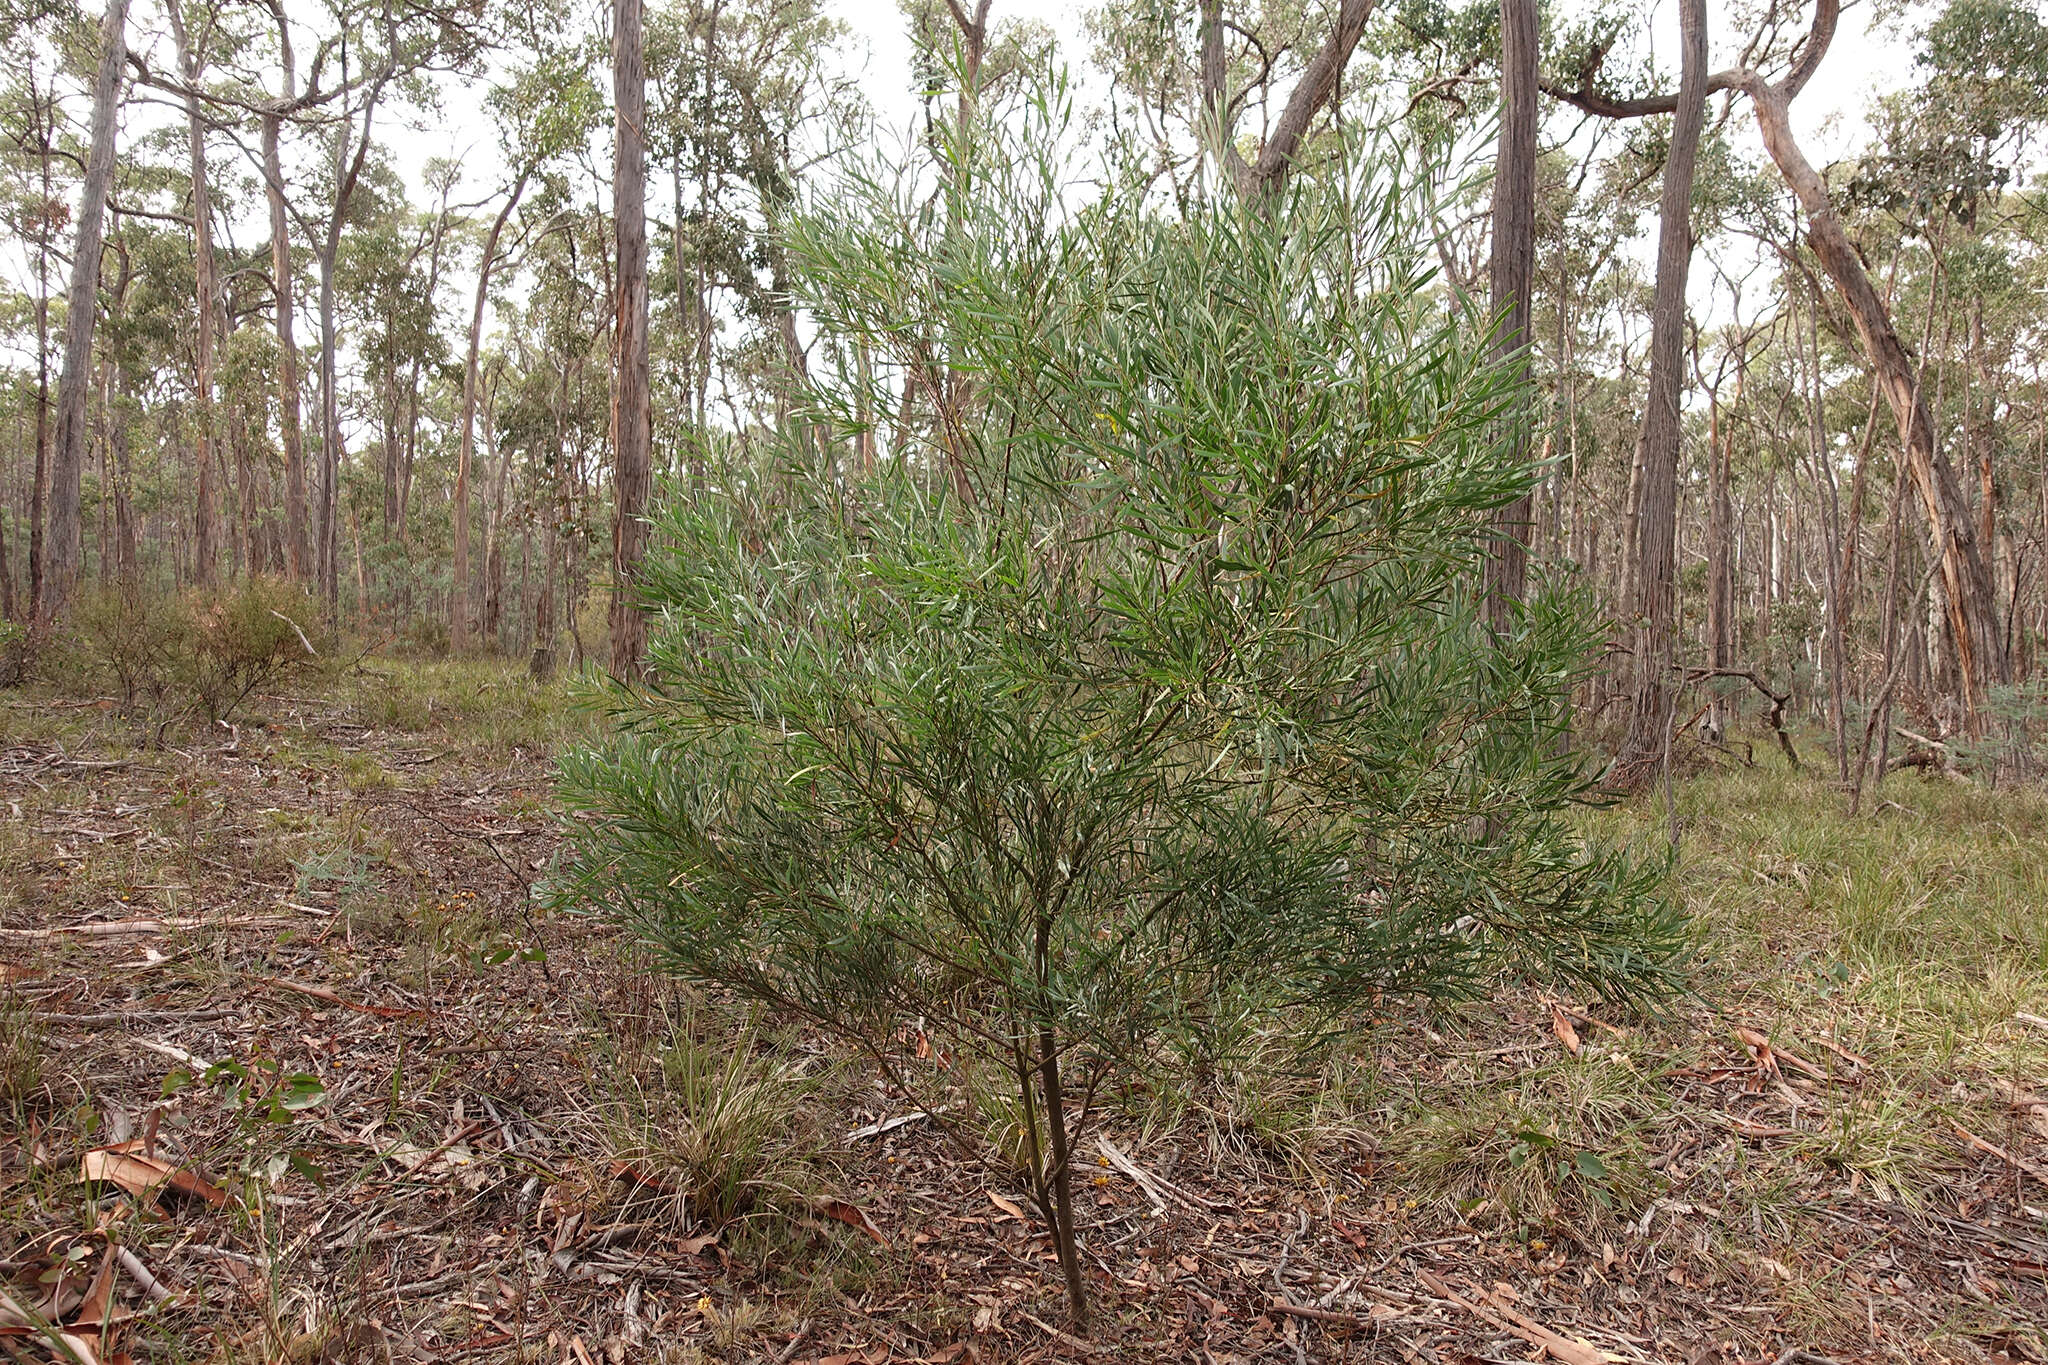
(458, 600)
(1511, 271)
(6, 584)
(248, 518)
(206, 520)
(1655, 602)
(412, 411)
(1835, 640)
(632, 417)
(291, 427)
(349, 169)
(1267, 173)
(1970, 605)
(42, 106)
(74, 381)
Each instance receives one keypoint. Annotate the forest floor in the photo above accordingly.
(349, 1091)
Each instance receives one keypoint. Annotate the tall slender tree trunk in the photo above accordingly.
(1512, 275)
(1656, 586)
(247, 511)
(494, 521)
(348, 171)
(458, 605)
(391, 407)
(412, 408)
(1836, 622)
(75, 380)
(326, 495)
(191, 63)
(43, 109)
(291, 426)
(127, 561)
(632, 416)
(1720, 545)
(7, 604)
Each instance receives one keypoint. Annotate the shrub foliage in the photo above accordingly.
(1141, 691)
(194, 652)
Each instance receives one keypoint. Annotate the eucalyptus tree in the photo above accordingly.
(632, 414)
(1949, 153)
(193, 52)
(1511, 275)
(1655, 609)
(559, 338)
(541, 110)
(387, 280)
(82, 310)
(35, 212)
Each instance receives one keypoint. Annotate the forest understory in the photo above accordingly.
(351, 1092)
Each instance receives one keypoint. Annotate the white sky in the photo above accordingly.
(1829, 117)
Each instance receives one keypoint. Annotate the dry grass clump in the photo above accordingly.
(716, 1125)
(1568, 1142)
(22, 1049)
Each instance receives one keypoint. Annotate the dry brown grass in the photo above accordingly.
(527, 1137)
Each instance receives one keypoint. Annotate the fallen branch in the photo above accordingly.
(151, 1287)
(1779, 700)
(1064, 1338)
(1491, 1310)
(322, 993)
(1325, 1315)
(1156, 1189)
(298, 632)
(1928, 754)
(2018, 1163)
(105, 928)
(134, 1017)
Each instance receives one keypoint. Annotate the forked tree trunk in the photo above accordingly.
(74, 381)
(1315, 88)
(458, 604)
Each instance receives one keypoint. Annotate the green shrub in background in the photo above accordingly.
(197, 652)
(1144, 694)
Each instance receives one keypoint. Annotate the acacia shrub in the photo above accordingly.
(1140, 691)
(199, 651)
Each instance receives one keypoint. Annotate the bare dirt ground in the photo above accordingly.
(351, 1091)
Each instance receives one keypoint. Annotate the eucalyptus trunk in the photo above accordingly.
(1656, 524)
(74, 381)
(1512, 274)
(632, 417)
(205, 304)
